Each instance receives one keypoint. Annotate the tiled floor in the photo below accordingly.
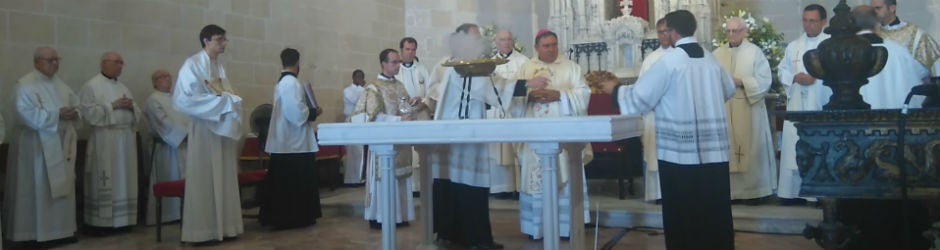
(339, 230)
(343, 228)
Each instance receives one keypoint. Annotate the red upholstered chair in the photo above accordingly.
(252, 177)
(329, 161)
(177, 188)
(166, 189)
(621, 159)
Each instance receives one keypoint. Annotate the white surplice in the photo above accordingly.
(652, 191)
(690, 132)
(752, 164)
(565, 76)
(889, 88)
(290, 132)
(504, 167)
(39, 200)
(379, 103)
(212, 209)
(799, 98)
(353, 163)
(168, 129)
(465, 163)
(111, 163)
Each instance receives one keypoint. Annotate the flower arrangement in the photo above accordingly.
(762, 34)
(489, 34)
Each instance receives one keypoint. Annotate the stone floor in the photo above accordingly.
(343, 228)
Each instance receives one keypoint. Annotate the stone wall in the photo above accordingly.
(334, 38)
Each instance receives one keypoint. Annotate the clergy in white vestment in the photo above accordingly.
(39, 200)
(504, 170)
(169, 129)
(919, 43)
(889, 88)
(380, 103)
(556, 88)
(688, 88)
(651, 175)
(804, 93)
(461, 171)
(414, 76)
(752, 166)
(111, 164)
(290, 193)
(212, 210)
(354, 164)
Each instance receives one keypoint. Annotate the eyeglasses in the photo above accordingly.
(663, 32)
(51, 60)
(733, 31)
(219, 38)
(121, 62)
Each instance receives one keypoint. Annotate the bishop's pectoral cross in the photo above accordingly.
(739, 153)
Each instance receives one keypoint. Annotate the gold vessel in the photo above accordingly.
(477, 67)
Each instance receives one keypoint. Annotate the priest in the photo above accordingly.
(202, 92)
(291, 197)
(651, 175)
(889, 88)
(169, 130)
(920, 44)
(504, 168)
(414, 76)
(688, 89)
(556, 88)
(354, 164)
(462, 183)
(380, 103)
(111, 163)
(752, 164)
(804, 93)
(39, 204)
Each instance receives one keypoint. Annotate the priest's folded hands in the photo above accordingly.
(68, 113)
(538, 92)
(123, 103)
(544, 95)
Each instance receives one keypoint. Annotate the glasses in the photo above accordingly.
(120, 62)
(51, 60)
(219, 38)
(734, 31)
(663, 32)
